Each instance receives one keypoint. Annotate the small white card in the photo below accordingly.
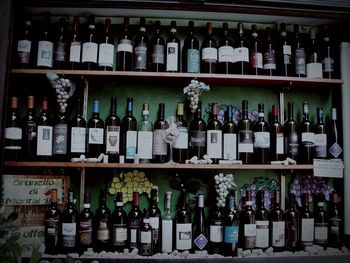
(329, 168)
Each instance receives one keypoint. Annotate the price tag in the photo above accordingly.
(328, 168)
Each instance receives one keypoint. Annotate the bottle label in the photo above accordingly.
(159, 144)
(245, 141)
(69, 231)
(321, 232)
(270, 59)
(308, 139)
(103, 232)
(183, 236)
(279, 143)
(307, 229)
(335, 150)
(225, 54)
(314, 70)
(216, 233)
(278, 232)
(120, 234)
(44, 142)
(131, 143)
(112, 139)
(60, 51)
(230, 146)
(154, 223)
(262, 234)
(13, 133)
(241, 54)
(292, 143)
(172, 58)
(158, 54)
(75, 51)
(125, 45)
(133, 235)
(78, 140)
(30, 131)
(167, 236)
(52, 226)
(146, 237)
(89, 53)
(209, 54)
(200, 241)
(45, 54)
(145, 144)
(256, 60)
(60, 139)
(328, 64)
(85, 232)
(262, 140)
(23, 50)
(320, 145)
(249, 235)
(197, 138)
(231, 234)
(140, 57)
(96, 135)
(287, 51)
(181, 141)
(214, 143)
(106, 55)
(193, 60)
(300, 68)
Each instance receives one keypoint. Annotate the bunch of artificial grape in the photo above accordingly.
(193, 91)
(64, 89)
(223, 184)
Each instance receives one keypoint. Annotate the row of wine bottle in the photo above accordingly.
(290, 55)
(220, 233)
(258, 142)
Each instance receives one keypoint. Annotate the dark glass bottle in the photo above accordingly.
(277, 225)
(306, 222)
(173, 50)
(157, 58)
(183, 225)
(327, 54)
(231, 227)
(60, 45)
(160, 146)
(86, 218)
(69, 225)
(261, 138)
(314, 64)
(321, 222)
(335, 222)
(335, 149)
(119, 225)
(52, 225)
(77, 133)
(180, 146)
(284, 53)
(262, 221)
(241, 52)
(320, 136)
(44, 133)
(306, 133)
(269, 54)
(60, 137)
(95, 132)
(255, 53)
(45, 46)
(229, 131)
(247, 226)
(299, 55)
(190, 52)
(106, 48)
(214, 135)
(74, 60)
(155, 221)
(102, 225)
(291, 218)
(197, 134)
(134, 223)
(13, 133)
(245, 136)
(225, 52)
(146, 233)
(129, 133)
(125, 48)
(90, 47)
(291, 136)
(112, 130)
(216, 230)
(141, 48)
(199, 228)
(209, 52)
(29, 131)
(24, 55)
(276, 137)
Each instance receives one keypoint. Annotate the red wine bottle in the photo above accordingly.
(299, 55)
(291, 135)
(90, 47)
(209, 52)
(229, 131)
(129, 133)
(29, 131)
(200, 231)
(269, 54)
(112, 130)
(69, 226)
(86, 218)
(335, 222)
(190, 52)
(284, 53)
(255, 53)
(262, 221)
(314, 64)
(52, 225)
(306, 223)
(320, 136)
(277, 225)
(245, 136)
(45, 46)
(276, 137)
(141, 48)
(60, 137)
(77, 133)
(291, 218)
(183, 224)
(157, 57)
(160, 146)
(24, 56)
(60, 45)
(307, 137)
(44, 134)
(214, 135)
(146, 234)
(225, 52)
(125, 48)
(240, 52)
(247, 224)
(197, 134)
(261, 138)
(173, 50)
(119, 225)
(231, 227)
(180, 147)
(95, 132)
(327, 54)
(134, 223)
(321, 222)
(216, 230)
(75, 46)
(106, 48)
(155, 221)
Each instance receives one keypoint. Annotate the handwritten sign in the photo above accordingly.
(29, 238)
(328, 168)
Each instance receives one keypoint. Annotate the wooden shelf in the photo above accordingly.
(221, 79)
(160, 166)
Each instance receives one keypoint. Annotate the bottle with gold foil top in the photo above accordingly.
(52, 221)
(29, 131)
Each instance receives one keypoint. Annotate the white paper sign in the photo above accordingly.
(328, 168)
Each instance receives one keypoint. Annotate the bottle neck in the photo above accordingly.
(129, 109)
(290, 111)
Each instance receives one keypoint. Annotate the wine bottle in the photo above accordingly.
(335, 222)
(240, 52)
(247, 224)
(180, 147)
(129, 133)
(291, 218)
(307, 137)
(183, 225)
(134, 222)
(69, 226)
(173, 50)
(145, 136)
(119, 228)
(190, 51)
(106, 48)
(157, 58)
(29, 131)
(269, 54)
(277, 225)
(229, 131)
(60, 46)
(262, 221)
(52, 225)
(313, 65)
(327, 54)
(146, 233)
(74, 61)
(44, 133)
(231, 227)
(45, 46)
(112, 129)
(284, 53)
(86, 218)
(141, 48)
(95, 132)
(154, 220)
(209, 52)
(13, 133)
(125, 48)
(225, 52)
(321, 222)
(24, 56)
(335, 149)
(320, 136)
(216, 230)
(200, 231)
(245, 136)
(261, 138)
(90, 47)
(77, 133)
(60, 137)
(160, 147)
(306, 223)
(167, 225)
(291, 136)
(299, 55)
(255, 53)
(197, 134)
(214, 135)
(102, 225)
(276, 137)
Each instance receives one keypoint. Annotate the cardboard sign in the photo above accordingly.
(333, 168)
